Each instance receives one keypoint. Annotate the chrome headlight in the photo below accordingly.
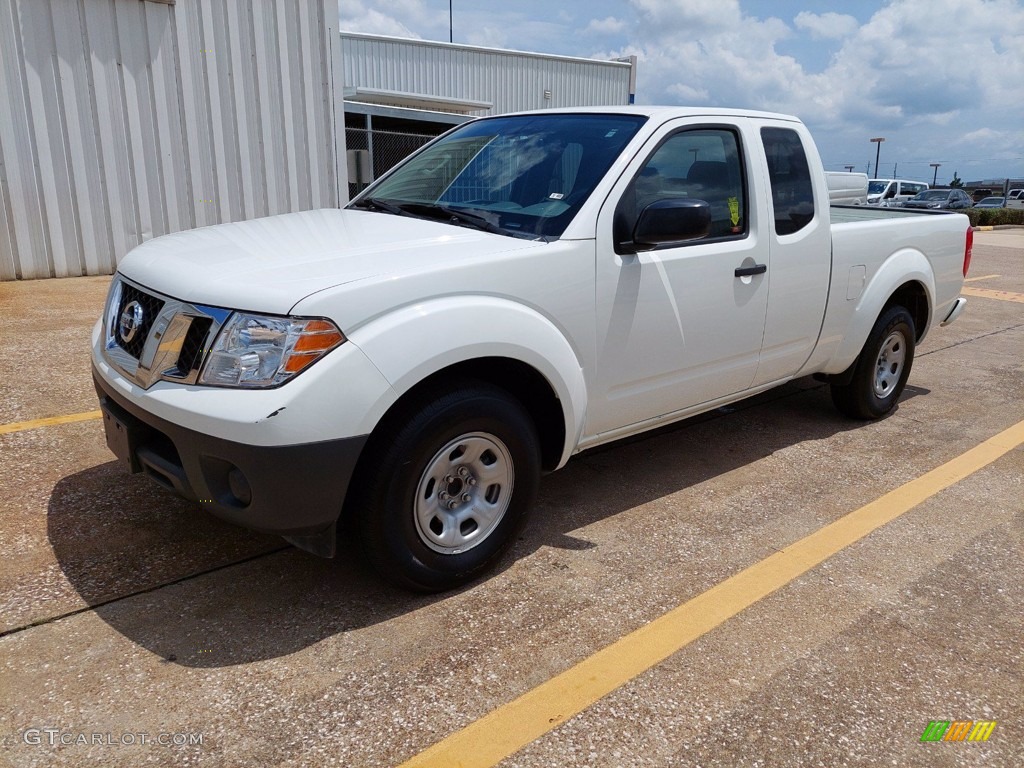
(265, 351)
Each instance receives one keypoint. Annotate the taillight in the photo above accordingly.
(968, 248)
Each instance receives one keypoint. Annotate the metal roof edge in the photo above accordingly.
(415, 100)
(482, 49)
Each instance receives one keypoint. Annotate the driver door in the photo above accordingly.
(681, 323)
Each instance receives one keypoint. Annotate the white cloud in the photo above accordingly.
(712, 49)
(607, 26)
(947, 60)
(695, 15)
(925, 80)
(489, 36)
(986, 135)
(402, 18)
(826, 25)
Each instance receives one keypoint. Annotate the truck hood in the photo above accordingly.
(270, 264)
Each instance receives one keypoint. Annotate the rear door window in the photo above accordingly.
(790, 177)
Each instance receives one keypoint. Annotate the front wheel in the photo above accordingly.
(882, 369)
(442, 496)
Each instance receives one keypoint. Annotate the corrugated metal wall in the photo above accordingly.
(121, 120)
(510, 80)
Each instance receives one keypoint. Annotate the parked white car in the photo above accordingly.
(523, 288)
(847, 188)
(892, 193)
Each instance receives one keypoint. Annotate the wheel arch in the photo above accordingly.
(523, 382)
(482, 338)
(905, 278)
(913, 296)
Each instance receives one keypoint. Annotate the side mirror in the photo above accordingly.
(674, 220)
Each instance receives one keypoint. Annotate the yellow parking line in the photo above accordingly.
(983, 277)
(988, 293)
(509, 728)
(21, 426)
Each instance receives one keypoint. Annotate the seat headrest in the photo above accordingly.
(708, 172)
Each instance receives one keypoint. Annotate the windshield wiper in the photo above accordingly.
(473, 220)
(457, 217)
(377, 204)
(438, 212)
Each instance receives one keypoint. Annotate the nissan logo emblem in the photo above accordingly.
(130, 322)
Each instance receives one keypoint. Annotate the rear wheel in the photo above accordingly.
(446, 485)
(882, 369)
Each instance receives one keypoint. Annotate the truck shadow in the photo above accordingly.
(201, 593)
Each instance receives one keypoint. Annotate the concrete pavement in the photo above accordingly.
(128, 612)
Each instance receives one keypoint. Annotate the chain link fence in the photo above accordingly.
(381, 150)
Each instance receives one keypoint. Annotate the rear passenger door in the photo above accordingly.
(677, 326)
(800, 243)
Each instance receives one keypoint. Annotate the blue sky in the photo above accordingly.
(941, 80)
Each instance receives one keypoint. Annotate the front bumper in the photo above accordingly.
(295, 491)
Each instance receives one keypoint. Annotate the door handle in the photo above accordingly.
(757, 269)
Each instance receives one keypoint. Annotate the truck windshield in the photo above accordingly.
(523, 176)
(876, 187)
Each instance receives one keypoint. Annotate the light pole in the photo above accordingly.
(451, 37)
(935, 175)
(848, 168)
(878, 149)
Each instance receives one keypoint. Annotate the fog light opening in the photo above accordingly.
(239, 487)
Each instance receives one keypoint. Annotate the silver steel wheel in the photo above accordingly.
(464, 493)
(889, 365)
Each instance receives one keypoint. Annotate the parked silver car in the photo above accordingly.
(939, 198)
(991, 202)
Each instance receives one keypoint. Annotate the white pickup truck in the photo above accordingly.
(523, 288)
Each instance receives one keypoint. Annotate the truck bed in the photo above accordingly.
(928, 247)
(841, 214)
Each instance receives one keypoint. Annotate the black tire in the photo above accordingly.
(882, 368)
(410, 536)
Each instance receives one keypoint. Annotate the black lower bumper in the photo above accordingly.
(295, 491)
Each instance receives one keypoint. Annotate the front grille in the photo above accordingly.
(194, 346)
(151, 307)
(170, 341)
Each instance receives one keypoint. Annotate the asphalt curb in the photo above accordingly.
(990, 227)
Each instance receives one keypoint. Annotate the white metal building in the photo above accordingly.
(400, 93)
(122, 120)
(469, 80)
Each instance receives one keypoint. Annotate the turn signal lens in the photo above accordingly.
(296, 363)
(317, 341)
